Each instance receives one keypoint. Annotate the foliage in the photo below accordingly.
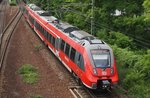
(28, 73)
(143, 66)
(117, 38)
(134, 71)
(12, 2)
(146, 5)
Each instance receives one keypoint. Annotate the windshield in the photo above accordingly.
(101, 58)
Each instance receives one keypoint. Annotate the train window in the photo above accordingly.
(62, 45)
(36, 24)
(72, 54)
(38, 27)
(41, 29)
(101, 58)
(45, 33)
(31, 19)
(53, 41)
(49, 37)
(67, 49)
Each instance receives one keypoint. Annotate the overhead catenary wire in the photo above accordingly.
(141, 42)
(98, 25)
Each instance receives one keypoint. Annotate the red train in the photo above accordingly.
(89, 59)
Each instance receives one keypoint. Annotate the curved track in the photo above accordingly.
(3, 6)
(5, 39)
(6, 35)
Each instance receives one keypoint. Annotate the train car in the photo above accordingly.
(90, 60)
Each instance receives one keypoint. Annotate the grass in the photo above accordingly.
(36, 96)
(38, 47)
(31, 95)
(28, 73)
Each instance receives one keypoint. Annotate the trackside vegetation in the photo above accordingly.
(36, 96)
(28, 73)
(119, 23)
(12, 2)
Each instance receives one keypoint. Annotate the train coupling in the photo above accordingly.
(104, 84)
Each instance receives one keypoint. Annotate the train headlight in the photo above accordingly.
(112, 71)
(94, 71)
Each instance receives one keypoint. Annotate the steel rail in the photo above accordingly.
(5, 39)
(4, 19)
(2, 11)
(74, 91)
(83, 92)
(6, 35)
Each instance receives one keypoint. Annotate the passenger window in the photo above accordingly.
(67, 49)
(72, 54)
(50, 37)
(53, 41)
(62, 45)
(47, 35)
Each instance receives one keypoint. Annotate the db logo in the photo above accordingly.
(104, 73)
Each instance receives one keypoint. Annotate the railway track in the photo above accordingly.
(6, 35)
(3, 6)
(5, 39)
(82, 92)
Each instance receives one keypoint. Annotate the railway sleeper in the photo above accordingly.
(77, 79)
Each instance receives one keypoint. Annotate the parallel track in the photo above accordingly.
(5, 39)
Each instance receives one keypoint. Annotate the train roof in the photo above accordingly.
(82, 37)
(80, 34)
(43, 13)
(50, 19)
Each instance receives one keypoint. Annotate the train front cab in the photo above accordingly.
(99, 76)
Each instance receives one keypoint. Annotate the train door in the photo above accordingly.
(80, 63)
(57, 45)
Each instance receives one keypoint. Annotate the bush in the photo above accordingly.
(125, 57)
(115, 38)
(134, 72)
(12, 2)
(140, 90)
(143, 65)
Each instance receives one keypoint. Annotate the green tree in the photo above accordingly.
(146, 5)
